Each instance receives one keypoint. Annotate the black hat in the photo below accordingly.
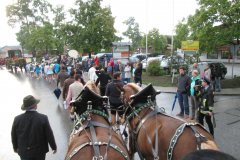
(29, 102)
(205, 79)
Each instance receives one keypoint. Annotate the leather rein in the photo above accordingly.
(140, 123)
(79, 127)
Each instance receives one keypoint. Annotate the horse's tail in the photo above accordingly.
(209, 145)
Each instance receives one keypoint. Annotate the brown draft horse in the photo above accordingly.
(167, 127)
(102, 134)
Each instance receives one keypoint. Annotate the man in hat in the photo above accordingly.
(206, 106)
(31, 132)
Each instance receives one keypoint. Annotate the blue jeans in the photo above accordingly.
(36, 158)
(217, 82)
(123, 76)
(183, 102)
(128, 80)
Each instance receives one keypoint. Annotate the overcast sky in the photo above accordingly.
(159, 15)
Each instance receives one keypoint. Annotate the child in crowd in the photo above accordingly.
(37, 70)
(31, 68)
(27, 68)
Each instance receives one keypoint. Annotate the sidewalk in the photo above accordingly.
(224, 92)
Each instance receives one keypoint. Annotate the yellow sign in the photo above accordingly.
(190, 45)
(65, 47)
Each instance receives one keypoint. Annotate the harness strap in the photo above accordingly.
(76, 150)
(152, 113)
(95, 142)
(174, 139)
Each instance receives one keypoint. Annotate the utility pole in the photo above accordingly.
(146, 36)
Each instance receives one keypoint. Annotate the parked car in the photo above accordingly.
(177, 61)
(131, 60)
(223, 68)
(150, 59)
(101, 56)
(162, 57)
(141, 56)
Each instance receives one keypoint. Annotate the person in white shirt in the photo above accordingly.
(91, 71)
(94, 76)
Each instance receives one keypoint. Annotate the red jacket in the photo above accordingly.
(112, 63)
(97, 61)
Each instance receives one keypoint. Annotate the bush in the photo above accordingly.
(154, 68)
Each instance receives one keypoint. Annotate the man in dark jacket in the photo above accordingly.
(183, 90)
(31, 132)
(206, 105)
(137, 74)
(140, 66)
(62, 76)
(114, 95)
(104, 78)
(105, 64)
(67, 83)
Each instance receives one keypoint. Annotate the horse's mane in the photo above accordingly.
(91, 85)
(134, 87)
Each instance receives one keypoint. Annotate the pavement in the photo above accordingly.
(224, 92)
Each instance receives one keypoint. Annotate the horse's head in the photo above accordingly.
(132, 94)
(89, 98)
(91, 85)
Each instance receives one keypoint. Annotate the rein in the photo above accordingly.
(155, 111)
(78, 127)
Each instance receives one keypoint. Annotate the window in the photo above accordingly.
(238, 54)
(213, 56)
(225, 54)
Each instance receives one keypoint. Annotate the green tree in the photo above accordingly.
(93, 25)
(216, 23)
(29, 14)
(182, 33)
(158, 41)
(133, 32)
(59, 18)
(42, 37)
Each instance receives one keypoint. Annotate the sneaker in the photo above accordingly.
(179, 114)
(186, 116)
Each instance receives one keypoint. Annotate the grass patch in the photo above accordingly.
(164, 81)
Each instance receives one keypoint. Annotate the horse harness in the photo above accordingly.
(79, 127)
(155, 110)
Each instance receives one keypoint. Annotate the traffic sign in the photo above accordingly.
(65, 47)
(66, 52)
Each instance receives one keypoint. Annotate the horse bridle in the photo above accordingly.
(179, 131)
(93, 141)
(133, 132)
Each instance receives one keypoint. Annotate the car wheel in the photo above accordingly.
(223, 75)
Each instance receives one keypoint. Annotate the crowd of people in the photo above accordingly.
(201, 94)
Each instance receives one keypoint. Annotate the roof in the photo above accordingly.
(14, 47)
(121, 44)
(3, 51)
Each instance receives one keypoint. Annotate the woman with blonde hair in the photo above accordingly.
(194, 89)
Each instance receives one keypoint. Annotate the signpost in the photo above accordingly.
(190, 47)
(65, 50)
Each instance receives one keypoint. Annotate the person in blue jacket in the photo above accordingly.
(56, 70)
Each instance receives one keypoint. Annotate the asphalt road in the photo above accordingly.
(15, 86)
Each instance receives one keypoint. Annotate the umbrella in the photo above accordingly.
(57, 92)
(174, 102)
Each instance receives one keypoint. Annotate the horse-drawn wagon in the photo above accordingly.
(15, 60)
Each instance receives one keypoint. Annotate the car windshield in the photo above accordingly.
(100, 55)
